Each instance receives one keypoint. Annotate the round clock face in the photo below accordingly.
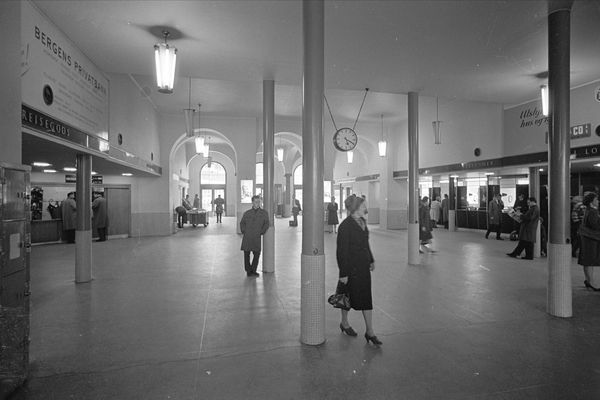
(345, 139)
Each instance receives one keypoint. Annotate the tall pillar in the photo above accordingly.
(534, 191)
(269, 173)
(413, 178)
(83, 234)
(312, 315)
(452, 204)
(559, 247)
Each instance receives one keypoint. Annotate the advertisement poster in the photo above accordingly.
(246, 190)
(58, 80)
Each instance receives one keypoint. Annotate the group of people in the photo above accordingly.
(186, 206)
(69, 216)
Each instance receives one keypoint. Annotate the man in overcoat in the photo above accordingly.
(100, 215)
(254, 224)
(527, 231)
(69, 217)
(495, 216)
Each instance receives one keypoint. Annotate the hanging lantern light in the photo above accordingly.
(350, 156)
(280, 154)
(199, 144)
(165, 57)
(436, 124)
(382, 145)
(545, 100)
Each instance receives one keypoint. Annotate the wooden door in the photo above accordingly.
(118, 204)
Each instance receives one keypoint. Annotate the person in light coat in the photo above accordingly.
(69, 217)
(495, 216)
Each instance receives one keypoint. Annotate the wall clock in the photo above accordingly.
(345, 139)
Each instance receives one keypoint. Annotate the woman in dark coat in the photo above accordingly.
(356, 262)
(589, 232)
(425, 235)
(332, 214)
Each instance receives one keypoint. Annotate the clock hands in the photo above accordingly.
(349, 142)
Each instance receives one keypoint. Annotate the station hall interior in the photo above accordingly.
(168, 312)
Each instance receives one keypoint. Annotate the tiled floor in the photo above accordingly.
(176, 318)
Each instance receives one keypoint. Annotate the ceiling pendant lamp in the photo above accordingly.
(437, 134)
(165, 57)
(350, 156)
(545, 100)
(199, 140)
(279, 152)
(382, 145)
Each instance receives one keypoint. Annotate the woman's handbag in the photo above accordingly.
(340, 299)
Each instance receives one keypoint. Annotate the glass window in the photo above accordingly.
(298, 175)
(213, 175)
(259, 173)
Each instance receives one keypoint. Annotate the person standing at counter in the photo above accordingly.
(445, 211)
(69, 217)
(100, 219)
(254, 224)
(527, 231)
(495, 216)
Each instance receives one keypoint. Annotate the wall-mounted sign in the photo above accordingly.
(580, 131)
(70, 178)
(246, 190)
(97, 179)
(57, 79)
(597, 94)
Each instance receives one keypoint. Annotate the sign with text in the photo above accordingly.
(59, 80)
(582, 130)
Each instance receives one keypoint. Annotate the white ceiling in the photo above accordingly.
(490, 51)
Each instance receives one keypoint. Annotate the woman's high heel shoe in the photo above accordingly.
(348, 331)
(373, 339)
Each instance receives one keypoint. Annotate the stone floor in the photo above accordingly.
(176, 318)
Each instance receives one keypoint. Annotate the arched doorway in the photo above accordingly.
(213, 183)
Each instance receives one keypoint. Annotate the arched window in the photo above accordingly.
(298, 175)
(259, 173)
(213, 175)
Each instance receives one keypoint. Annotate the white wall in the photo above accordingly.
(525, 127)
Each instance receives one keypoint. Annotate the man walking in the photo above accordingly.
(495, 216)
(254, 223)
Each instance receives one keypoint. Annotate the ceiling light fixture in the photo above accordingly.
(127, 174)
(382, 145)
(350, 156)
(279, 152)
(50, 171)
(94, 173)
(165, 57)
(41, 164)
(69, 169)
(436, 124)
(545, 100)
(206, 148)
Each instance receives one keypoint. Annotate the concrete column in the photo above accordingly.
(287, 198)
(269, 173)
(10, 79)
(559, 247)
(312, 315)
(413, 178)
(452, 204)
(83, 234)
(534, 191)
